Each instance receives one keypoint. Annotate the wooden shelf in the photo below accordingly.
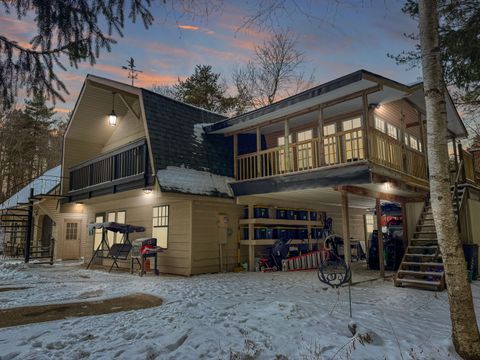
(272, 241)
(268, 221)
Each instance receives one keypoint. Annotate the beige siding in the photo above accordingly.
(128, 129)
(205, 239)
(138, 207)
(392, 113)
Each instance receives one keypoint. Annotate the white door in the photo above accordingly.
(71, 239)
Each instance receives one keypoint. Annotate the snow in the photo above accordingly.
(199, 131)
(191, 181)
(224, 316)
(41, 186)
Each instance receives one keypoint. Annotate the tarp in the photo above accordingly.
(116, 227)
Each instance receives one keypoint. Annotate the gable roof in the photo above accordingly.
(178, 141)
(42, 185)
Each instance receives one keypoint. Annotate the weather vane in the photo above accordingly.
(132, 72)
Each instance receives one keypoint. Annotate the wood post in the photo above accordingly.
(235, 155)
(381, 258)
(455, 154)
(321, 158)
(404, 225)
(29, 229)
(346, 228)
(259, 148)
(366, 124)
(251, 248)
(287, 146)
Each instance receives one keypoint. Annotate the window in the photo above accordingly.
(71, 232)
(353, 140)
(392, 131)
(379, 124)
(305, 150)
(118, 217)
(281, 155)
(369, 225)
(330, 150)
(351, 124)
(413, 142)
(160, 225)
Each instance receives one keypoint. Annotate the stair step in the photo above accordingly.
(420, 282)
(420, 273)
(430, 247)
(411, 263)
(422, 255)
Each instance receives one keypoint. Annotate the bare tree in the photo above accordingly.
(465, 334)
(274, 71)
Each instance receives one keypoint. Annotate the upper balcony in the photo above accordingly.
(123, 168)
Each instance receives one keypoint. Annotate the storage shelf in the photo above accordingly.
(272, 241)
(268, 221)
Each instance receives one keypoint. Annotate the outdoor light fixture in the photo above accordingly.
(147, 191)
(387, 186)
(374, 106)
(112, 118)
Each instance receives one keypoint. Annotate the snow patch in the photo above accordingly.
(192, 181)
(199, 131)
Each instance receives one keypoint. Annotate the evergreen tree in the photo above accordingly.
(205, 89)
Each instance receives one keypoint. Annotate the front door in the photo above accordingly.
(71, 237)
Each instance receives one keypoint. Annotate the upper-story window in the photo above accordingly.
(351, 124)
(282, 159)
(392, 131)
(305, 149)
(330, 148)
(379, 124)
(413, 142)
(281, 140)
(329, 129)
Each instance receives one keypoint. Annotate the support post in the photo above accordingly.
(259, 148)
(455, 154)
(346, 228)
(251, 248)
(235, 155)
(29, 232)
(405, 225)
(287, 146)
(366, 124)
(381, 258)
(321, 157)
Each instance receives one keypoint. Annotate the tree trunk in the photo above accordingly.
(465, 335)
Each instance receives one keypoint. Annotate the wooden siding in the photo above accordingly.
(205, 236)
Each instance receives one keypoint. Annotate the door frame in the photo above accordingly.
(80, 221)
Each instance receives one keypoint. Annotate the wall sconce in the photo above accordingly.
(112, 118)
(373, 106)
(147, 191)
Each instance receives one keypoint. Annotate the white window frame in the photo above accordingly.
(113, 237)
(161, 224)
(380, 124)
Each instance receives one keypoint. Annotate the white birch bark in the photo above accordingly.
(465, 335)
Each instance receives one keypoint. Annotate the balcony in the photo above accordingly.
(341, 148)
(125, 167)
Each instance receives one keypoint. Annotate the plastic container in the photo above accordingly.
(286, 214)
(313, 215)
(260, 212)
(301, 214)
(302, 233)
(261, 233)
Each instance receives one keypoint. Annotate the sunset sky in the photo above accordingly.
(335, 41)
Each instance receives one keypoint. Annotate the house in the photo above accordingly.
(215, 191)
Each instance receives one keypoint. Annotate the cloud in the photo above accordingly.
(188, 27)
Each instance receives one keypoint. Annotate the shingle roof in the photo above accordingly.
(178, 140)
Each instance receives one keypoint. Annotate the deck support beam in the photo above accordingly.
(251, 248)
(346, 228)
(404, 225)
(259, 148)
(235, 155)
(287, 146)
(381, 258)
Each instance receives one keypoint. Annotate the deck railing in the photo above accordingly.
(128, 161)
(343, 147)
(339, 148)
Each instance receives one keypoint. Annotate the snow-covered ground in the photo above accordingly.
(224, 316)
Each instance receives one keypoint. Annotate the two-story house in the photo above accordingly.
(194, 179)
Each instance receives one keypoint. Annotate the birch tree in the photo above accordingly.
(465, 334)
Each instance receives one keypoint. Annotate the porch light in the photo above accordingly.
(112, 118)
(147, 191)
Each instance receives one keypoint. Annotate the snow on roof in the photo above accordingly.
(41, 186)
(190, 181)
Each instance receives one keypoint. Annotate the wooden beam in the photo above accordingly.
(346, 229)
(129, 107)
(366, 124)
(324, 105)
(259, 148)
(378, 194)
(251, 248)
(286, 145)
(404, 225)
(321, 157)
(381, 258)
(235, 155)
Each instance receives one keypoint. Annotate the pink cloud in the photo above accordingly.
(188, 27)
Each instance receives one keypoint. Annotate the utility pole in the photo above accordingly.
(132, 71)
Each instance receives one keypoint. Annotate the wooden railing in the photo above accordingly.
(339, 148)
(343, 147)
(125, 162)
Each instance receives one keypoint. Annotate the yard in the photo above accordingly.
(224, 316)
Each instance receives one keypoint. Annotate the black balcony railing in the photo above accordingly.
(123, 163)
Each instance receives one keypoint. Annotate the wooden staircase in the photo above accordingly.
(422, 264)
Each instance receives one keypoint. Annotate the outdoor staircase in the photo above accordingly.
(422, 264)
(13, 226)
